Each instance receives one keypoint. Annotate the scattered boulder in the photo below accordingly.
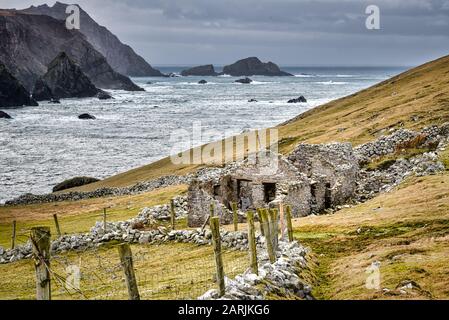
(55, 101)
(12, 92)
(64, 79)
(254, 67)
(301, 99)
(4, 115)
(173, 75)
(104, 95)
(74, 182)
(252, 100)
(206, 70)
(86, 116)
(202, 82)
(149, 82)
(244, 81)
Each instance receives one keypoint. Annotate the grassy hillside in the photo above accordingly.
(78, 216)
(414, 99)
(407, 231)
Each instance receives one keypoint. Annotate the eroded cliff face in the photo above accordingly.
(28, 43)
(12, 93)
(121, 57)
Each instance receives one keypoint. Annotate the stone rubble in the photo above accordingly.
(126, 231)
(103, 192)
(370, 183)
(388, 144)
(280, 278)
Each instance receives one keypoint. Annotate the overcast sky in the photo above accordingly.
(288, 32)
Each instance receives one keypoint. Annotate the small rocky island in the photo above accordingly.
(254, 67)
(201, 71)
(246, 67)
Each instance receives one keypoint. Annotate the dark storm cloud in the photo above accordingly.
(286, 31)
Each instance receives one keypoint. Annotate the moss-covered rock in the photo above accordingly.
(75, 182)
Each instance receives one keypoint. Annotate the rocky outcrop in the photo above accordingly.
(12, 92)
(86, 116)
(4, 115)
(244, 81)
(73, 183)
(64, 79)
(28, 43)
(301, 99)
(201, 71)
(104, 95)
(254, 67)
(121, 57)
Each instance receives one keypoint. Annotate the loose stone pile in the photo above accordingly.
(388, 144)
(126, 231)
(372, 182)
(163, 213)
(280, 278)
(103, 192)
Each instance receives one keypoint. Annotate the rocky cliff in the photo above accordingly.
(64, 79)
(121, 57)
(254, 67)
(28, 43)
(202, 71)
(12, 92)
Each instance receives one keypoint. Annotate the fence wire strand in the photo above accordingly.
(167, 271)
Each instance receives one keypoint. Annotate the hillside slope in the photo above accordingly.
(414, 99)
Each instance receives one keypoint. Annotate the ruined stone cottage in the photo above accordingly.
(312, 178)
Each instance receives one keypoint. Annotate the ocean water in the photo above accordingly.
(45, 145)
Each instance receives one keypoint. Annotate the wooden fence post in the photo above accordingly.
(13, 236)
(273, 228)
(212, 209)
(40, 239)
(173, 214)
(104, 220)
(268, 240)
(252, 243)
(58, 230)
(259, 213)
(216, 240)
(282, 220)
(289, 224)
(126, 259)
(235, 216)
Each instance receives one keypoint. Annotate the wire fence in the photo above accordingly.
(163, 272)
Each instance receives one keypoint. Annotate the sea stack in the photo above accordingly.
(64, 79)
(12, 92)
(200, 71)
(254, 67)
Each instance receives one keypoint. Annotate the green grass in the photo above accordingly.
(80, 216)
(406, 230)
(170, 271)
